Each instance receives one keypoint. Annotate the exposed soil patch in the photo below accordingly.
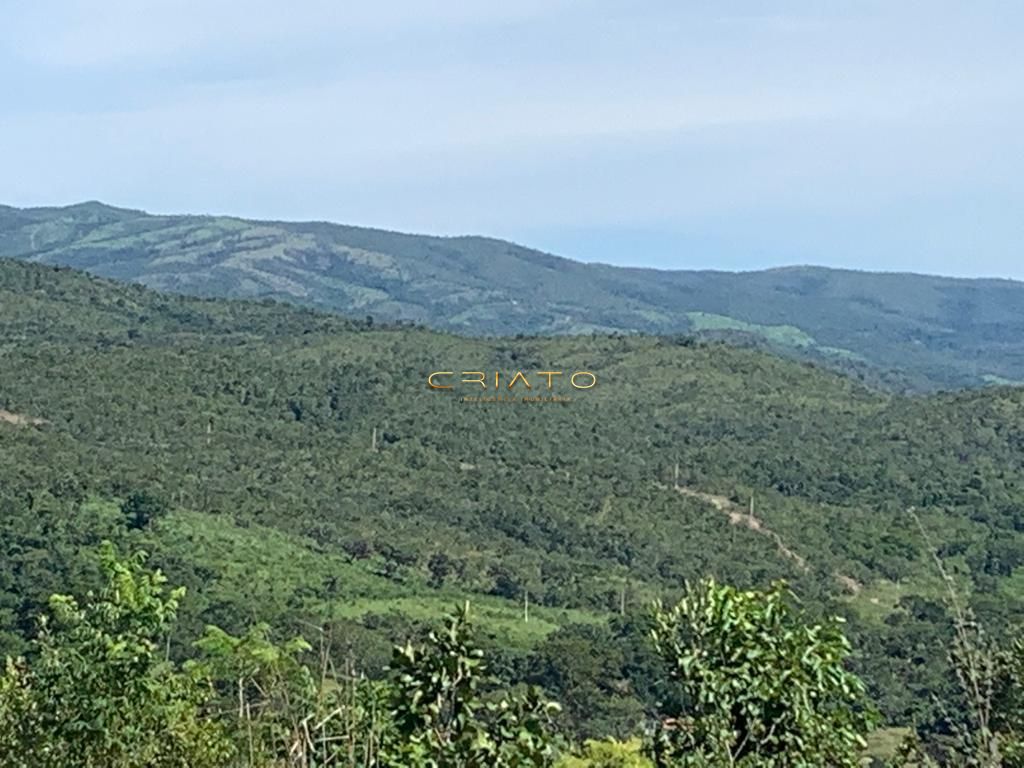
(18, 420)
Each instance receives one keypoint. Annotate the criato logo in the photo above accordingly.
(509, 380)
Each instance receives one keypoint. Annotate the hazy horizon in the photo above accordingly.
(862, 135)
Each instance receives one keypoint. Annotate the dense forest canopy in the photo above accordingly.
(294, 468)
(909, 332)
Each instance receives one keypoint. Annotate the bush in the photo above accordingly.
(759, 686)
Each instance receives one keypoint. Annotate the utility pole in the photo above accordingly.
(675, 480)
(526, 606)
(373, 441)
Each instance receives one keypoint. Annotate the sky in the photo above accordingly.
(883, 135)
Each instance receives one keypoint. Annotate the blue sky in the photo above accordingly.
(734, 135)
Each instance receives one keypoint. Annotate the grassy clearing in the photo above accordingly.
(883, 743)
(786, 335)
(272, 569)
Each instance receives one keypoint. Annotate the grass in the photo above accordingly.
(884, 742)
(839, 352)
(880, 598)
(786, 335)
(503, 618)
(271, 568)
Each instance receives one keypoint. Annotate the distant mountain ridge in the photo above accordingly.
(936, 332)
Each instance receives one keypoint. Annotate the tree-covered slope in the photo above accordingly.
(305, 474)
(933, 332)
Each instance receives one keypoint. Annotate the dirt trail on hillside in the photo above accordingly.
(20, 421)
(739, 516)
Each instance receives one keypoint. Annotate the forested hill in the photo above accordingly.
(911, 331)
(294, 467)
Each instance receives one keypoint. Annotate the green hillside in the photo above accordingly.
(907, 331)
(304, 474)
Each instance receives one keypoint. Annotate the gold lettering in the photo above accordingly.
(432, 385)
(579, 379)
(517, 377)
(549, 374)
(593, 379)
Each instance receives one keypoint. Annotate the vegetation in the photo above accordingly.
(758, 686)
(95, 693)
(905, 331)
(321, 505)
(98, 692)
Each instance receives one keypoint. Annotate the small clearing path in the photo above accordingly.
(742, 517)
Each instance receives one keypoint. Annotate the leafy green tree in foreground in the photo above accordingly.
(444, 717)
(760, 686)
(99, 692)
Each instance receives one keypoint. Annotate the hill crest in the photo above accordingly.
(933, 332)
